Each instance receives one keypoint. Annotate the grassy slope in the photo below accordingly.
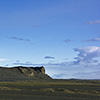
(50, 90)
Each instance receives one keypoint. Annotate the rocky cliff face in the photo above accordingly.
(23, 73)
(31, 71)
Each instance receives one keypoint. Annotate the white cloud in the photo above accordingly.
(87, 54)
(2, 59)
(94, 22)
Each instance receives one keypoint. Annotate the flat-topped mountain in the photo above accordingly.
(23, 73)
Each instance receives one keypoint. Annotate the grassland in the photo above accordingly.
(50, 90)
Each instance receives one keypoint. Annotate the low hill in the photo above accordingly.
(23, 73)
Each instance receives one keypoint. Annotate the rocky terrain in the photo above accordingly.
(23, 73)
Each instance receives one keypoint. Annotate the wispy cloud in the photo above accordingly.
(27, 63)
(92, 40)
(40, 64)
(49, 57)
(24, 64)
(59, 76)
(93, 22)
(67, 41)
(21, 39)
(88, 75)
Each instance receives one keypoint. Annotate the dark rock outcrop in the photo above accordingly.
(23, 73)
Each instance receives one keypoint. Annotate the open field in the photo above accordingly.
(50, 90)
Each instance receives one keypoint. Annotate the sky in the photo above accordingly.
(61, 35)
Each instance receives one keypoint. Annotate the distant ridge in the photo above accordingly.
(23, 73)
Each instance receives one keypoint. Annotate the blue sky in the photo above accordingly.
(61, 35)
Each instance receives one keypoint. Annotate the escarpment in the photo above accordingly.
(31, 71)
(23, 73)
